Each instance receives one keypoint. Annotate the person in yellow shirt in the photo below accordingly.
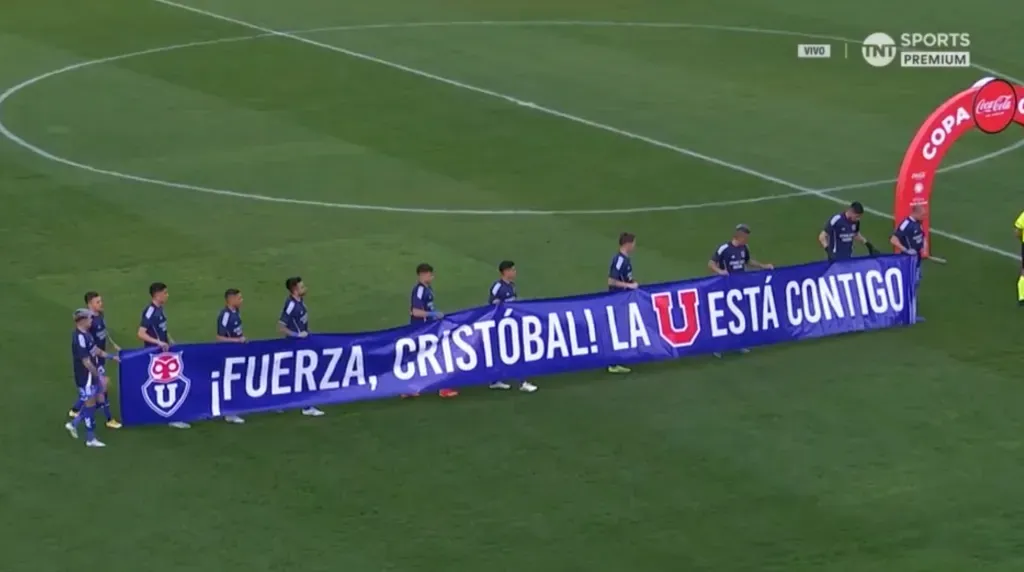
(1019, 231)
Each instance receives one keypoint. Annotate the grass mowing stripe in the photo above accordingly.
(682, 151)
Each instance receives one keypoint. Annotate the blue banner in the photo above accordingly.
(520, 340)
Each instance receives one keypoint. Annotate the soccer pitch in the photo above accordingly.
(348, 141)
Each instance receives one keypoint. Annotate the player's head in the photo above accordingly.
(158, 292)
(233, 298)
(741, 234)
(94, 301)
(83, 318)
(917, 211)
(627, 242)
(854, 211)
(295, 286)
(424, 273)
(507, 269)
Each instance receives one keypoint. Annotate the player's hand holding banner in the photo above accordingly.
(522, 340)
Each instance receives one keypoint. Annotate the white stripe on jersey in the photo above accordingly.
(419, 291)
(834, 220)
(619, 260)
(495, 289)
(149, 312)
(722, 248)
(290, 307)
(81, 340)
(224, 321)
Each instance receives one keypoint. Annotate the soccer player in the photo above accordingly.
(153, 327)
(733, 257)
(620, 277)
(94, 302)
(229, 329)
(841, 231)
(421, 310)
(503, 291)
(84, 354)
(294, 320)
(908, 238)
(1018, 229)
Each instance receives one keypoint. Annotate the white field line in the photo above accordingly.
(580, 120)
(10, 92)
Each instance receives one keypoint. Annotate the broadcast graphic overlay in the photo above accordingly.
(918, 50)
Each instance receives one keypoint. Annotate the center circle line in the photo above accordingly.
(15, 138)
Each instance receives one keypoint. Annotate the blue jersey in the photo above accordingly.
(294, 315)
(731, 257)
(99, 330)
(82, 347)
(99, 335)
(621, 269)
(229, 323)
(155, 322)
(422, 298)
(502, 292)
(841, 233)
(910, 234)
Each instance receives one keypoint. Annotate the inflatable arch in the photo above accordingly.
(991, 105)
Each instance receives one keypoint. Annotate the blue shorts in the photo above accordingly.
(89, 389)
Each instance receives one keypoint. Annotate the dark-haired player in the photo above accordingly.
(503, 291)
(84, 354)
(94, 302)
(840, 232)
(153, 327)
(733, 257)
(229, 329)
(620, 277)
(908, 239)
(422, 310)
(294, 320)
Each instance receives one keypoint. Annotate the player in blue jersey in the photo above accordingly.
(503, 291)
(422, 310)
(294, 320)
(84, 356)
(908, 239)
(620, 277)
(841, 231)
(733, 257)
(229, 329)
(153, 331)
(94, 302)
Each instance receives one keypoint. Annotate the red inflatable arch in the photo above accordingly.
(990, 105)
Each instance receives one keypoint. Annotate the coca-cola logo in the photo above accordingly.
(988, 107)
(994, 106)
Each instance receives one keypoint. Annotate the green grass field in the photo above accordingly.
(895, 451)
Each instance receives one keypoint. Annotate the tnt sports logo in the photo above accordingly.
(167, 387)
(879, 49)
(918, 50)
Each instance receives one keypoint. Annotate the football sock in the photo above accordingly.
(105, 406)
(90, 423)
(1020, 289)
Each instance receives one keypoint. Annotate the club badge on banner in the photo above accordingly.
(520, 340)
